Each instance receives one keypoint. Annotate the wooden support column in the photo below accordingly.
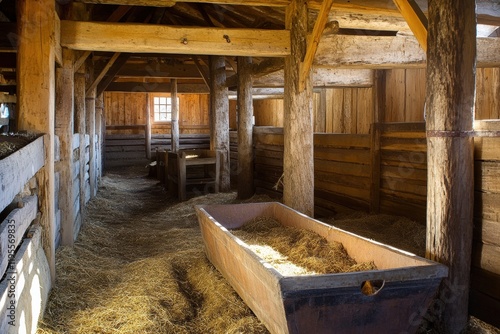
(451, 67)
(99, 112)
(64, 129)
(36, 101)
(219, 118)
(80, 117)
(245, 128)
(175, 116)
(90, 98)
(298, 161)
(148, 127)
(378, 112)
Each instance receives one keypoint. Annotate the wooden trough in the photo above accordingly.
(331, 303)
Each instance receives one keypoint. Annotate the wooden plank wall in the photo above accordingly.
(485, 276)
(335, 110)
(126, 113)
(403, 170)
(405, 95)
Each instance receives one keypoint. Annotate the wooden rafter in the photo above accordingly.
(313, 42)
(79, 62)
(416, 20)
(203, 73)
(170, 3)
(101, 75)
(104, 83)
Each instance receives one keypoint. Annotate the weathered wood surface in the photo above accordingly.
(36, 92)
(18, 168)
(298, 172)
(174, 124)
(32, 285)
(64, 130)
(245, 140)
(147, 38)
(13, 228)
(219, 125)
(450, 107)
(335, 302)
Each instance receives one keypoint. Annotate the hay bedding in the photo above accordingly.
(139, 267)
(292, 251)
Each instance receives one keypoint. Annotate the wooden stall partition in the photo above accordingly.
(485, 271)
(342, 171)
(403, 170)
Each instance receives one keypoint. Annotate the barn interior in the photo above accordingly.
(374, 109)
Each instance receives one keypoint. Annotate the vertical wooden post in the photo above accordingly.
(245, 128)
(36, 100)
(99, 112)
(451, 67)
(90, 120)
(64, 129)
(298, 161)
(175, 116)
(219, 118)
(148, 127)
(80, 117)
(378, 110)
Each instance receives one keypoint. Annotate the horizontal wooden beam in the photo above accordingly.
(132, 37)
(323, 77)
(170, 3)
(159, 70)
(4, 98)
(383, 52)
(154, 87)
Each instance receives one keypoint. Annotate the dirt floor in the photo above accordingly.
(138, 266)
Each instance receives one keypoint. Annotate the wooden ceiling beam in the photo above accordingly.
(312, 43)
(156, 87)
(159, 70)
(129, 37)
(101, 75)
(170, 3)
(416, 20)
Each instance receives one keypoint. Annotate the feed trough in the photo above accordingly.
(328, 303)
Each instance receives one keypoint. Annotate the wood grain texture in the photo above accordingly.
(450, 102)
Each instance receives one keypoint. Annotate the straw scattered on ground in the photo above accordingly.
(139, 267)
(292, 251)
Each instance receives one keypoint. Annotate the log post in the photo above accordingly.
(219, 118)
(451, 67)
(175, 116)
(379, 91)
(298, 160)
(90, 125)
(64, 129)
(99, 112)
(80, 116)
(36, 101)
(148, 127)
(245, 128)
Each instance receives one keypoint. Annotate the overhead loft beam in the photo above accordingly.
(313, 41)
(382, 52)
(159, 70)
(170, 3)
(156, 87)
(130, 37)
(416, 20)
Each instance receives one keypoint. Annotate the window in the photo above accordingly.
(162, 109)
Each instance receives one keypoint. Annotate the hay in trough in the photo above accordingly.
(396, 231)
(294, 251)
(139, 267)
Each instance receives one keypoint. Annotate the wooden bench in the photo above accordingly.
(192, 167)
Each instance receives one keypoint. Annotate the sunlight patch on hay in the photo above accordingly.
(294, 251)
